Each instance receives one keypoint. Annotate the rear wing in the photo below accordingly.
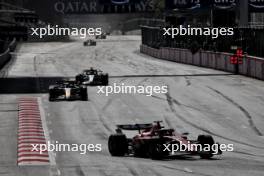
(135, 126)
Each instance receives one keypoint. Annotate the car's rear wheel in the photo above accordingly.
(84, 94)
(205, 141)
(155, 151)
(78, 78)
(117, 145)
(51, 96)
(105, 80)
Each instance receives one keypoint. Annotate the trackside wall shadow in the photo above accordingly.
(27, 84)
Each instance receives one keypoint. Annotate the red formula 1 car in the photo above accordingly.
(153, 141)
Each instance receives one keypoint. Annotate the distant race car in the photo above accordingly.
(151, 140)
(102, 36)
(92, 77)
(89, 43)
(67, 90)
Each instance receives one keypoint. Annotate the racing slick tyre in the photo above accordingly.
(79, 79)
(206, 140)
(105, 80)
(51, 96)
(117, 145)
(84, 94)
(155, 151)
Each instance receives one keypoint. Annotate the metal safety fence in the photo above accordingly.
(251, 40)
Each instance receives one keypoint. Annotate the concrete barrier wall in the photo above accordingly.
(12, 45)
(27, 84)
(5, 57)
(252, 66)
(47, 38)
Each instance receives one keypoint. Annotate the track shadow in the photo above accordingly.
(21, 85)
(173, 75)
(175, 157)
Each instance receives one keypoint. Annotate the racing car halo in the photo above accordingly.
(67, 90)
(151, 140)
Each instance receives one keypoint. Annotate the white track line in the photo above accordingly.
(46, 131)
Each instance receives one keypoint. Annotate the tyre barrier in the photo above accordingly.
(251, 66)
(30, 134)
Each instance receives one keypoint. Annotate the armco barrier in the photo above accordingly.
(251, 66)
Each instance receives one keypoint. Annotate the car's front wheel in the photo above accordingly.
(51, 96)
(106, 80)
(117, 145)
(155, 151)
(206, 141)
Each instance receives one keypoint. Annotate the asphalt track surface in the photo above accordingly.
(229, 107)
